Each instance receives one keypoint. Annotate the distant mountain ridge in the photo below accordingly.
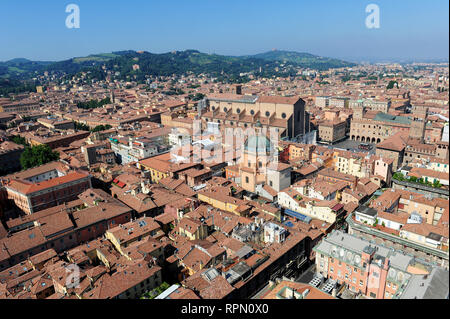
(176, 62)
(302, 59)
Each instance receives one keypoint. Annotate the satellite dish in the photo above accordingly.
(334, 250)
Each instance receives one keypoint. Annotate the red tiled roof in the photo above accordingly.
(26, 187)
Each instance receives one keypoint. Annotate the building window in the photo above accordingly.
(246, 179)
(360, 282)
(373, 295)
(252, 112)
(267, 113)
(238, 111)
(283, 115)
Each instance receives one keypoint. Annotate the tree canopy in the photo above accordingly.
(92, 104)
(37, 155)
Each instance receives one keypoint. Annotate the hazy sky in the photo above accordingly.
(408, 28)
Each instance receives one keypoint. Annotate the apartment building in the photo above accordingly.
(306, 208)
(125, 235)
(371, 104)
(24, 106)
(62, 227)
(45, 186)
(10, 153)
(332, 131)
(54, 139)
(133, 150)
(376, 271)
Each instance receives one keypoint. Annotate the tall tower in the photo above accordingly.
(237, 89)
(358, 112)
(417, 129)
(112, 97)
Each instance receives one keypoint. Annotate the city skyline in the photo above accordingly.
(408, 32)
(224, 150)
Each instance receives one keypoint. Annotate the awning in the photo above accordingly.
(120, 184)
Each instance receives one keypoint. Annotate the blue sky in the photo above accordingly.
(408, 29)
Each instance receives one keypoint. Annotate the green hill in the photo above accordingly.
(229, 68)
(305, 60)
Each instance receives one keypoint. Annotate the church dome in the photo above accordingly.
(259, 144)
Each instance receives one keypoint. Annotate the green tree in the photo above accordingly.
(398, 176)
(81, 126)
(437, 184)
(391, 85)
(375, 223)
(198, 97)
(19, 140)
(37, 155)
(155, 292)
(92, 104)
(99, 128)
